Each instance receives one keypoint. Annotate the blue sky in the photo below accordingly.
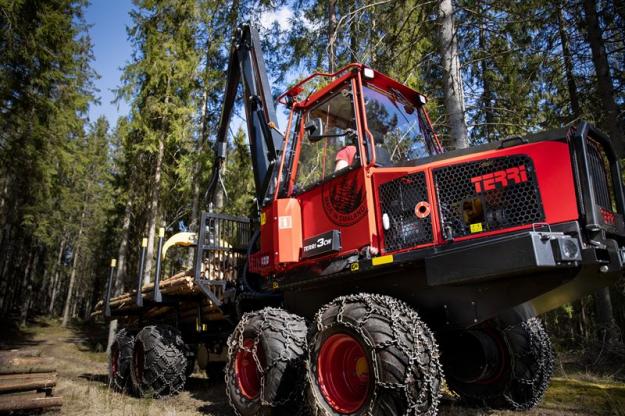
(108, 20)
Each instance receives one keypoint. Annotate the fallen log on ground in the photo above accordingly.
(29, 402)
(17, 364)
(26, 381)
(14, 383)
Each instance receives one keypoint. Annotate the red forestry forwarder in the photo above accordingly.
(377, 259)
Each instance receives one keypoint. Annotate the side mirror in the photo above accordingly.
(314, 128)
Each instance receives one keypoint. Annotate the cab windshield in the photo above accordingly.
(396, 126)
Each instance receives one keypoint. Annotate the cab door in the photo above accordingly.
(329, 179)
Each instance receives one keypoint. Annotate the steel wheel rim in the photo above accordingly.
(247, 373)
(343, 373)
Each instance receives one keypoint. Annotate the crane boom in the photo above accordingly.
(246, 64)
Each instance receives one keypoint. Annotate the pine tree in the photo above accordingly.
(160, 83)
(45, 88)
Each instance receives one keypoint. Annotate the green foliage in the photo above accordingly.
(47, 160)
(238, 176)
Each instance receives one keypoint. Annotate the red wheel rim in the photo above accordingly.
(246, 370)
(343, 373)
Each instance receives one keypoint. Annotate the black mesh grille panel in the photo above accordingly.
(487, 195)
(398, 199)
(598, 170)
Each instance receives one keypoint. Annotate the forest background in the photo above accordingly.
(75, 193)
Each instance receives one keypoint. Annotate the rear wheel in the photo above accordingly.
(371, 354)
(159, 362)
(265, 369)
(120, 359)
(503, 368)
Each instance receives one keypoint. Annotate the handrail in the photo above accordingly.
(297, 88)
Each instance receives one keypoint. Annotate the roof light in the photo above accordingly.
(368, 73)
(422, 99)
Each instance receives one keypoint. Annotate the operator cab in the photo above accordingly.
(338, 138)
(361, 119)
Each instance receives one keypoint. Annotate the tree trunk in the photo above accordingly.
(354, 38)
(122, 252)
(568, 66)
(7, 248)
(581, 317)
(27, 286)
(331, 28)
(487, 94)
(219, 198)
(608, 331)
(87, 309)
(72, 280)
(75, 303)
(55, 290)
(154, 200)
(55, 275)
(197, 166)
(72, 276)
(604, 79)
(452, 81)
(3, 194)
(118, 283)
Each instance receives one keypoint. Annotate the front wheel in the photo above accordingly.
(502, 368)
(372, 355)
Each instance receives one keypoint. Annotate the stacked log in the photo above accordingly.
(179, 284)
(27, 381)
(217, 266)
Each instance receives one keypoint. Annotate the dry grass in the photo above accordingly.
(83, 385)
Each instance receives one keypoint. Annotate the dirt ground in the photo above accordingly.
(83, 382)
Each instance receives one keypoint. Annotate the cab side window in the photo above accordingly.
(396, 127)
(329, 142)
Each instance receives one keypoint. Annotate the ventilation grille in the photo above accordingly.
(599, 169)
(487, 195)
(398, 199)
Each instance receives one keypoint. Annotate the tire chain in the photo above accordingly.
(168, 374)
(293, 331)
(522, 379)
(124, 342)
(541, 352)
(422, 352)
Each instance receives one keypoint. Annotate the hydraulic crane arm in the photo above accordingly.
(246, 63)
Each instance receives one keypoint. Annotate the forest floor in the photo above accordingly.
(82, 369)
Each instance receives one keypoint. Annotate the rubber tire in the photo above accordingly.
(164, 362)
(402, 354)
(526, 374)
(282, 336)
(121, 350)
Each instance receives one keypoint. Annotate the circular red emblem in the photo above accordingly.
(344, 199)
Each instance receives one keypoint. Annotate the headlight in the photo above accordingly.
(566, 248)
